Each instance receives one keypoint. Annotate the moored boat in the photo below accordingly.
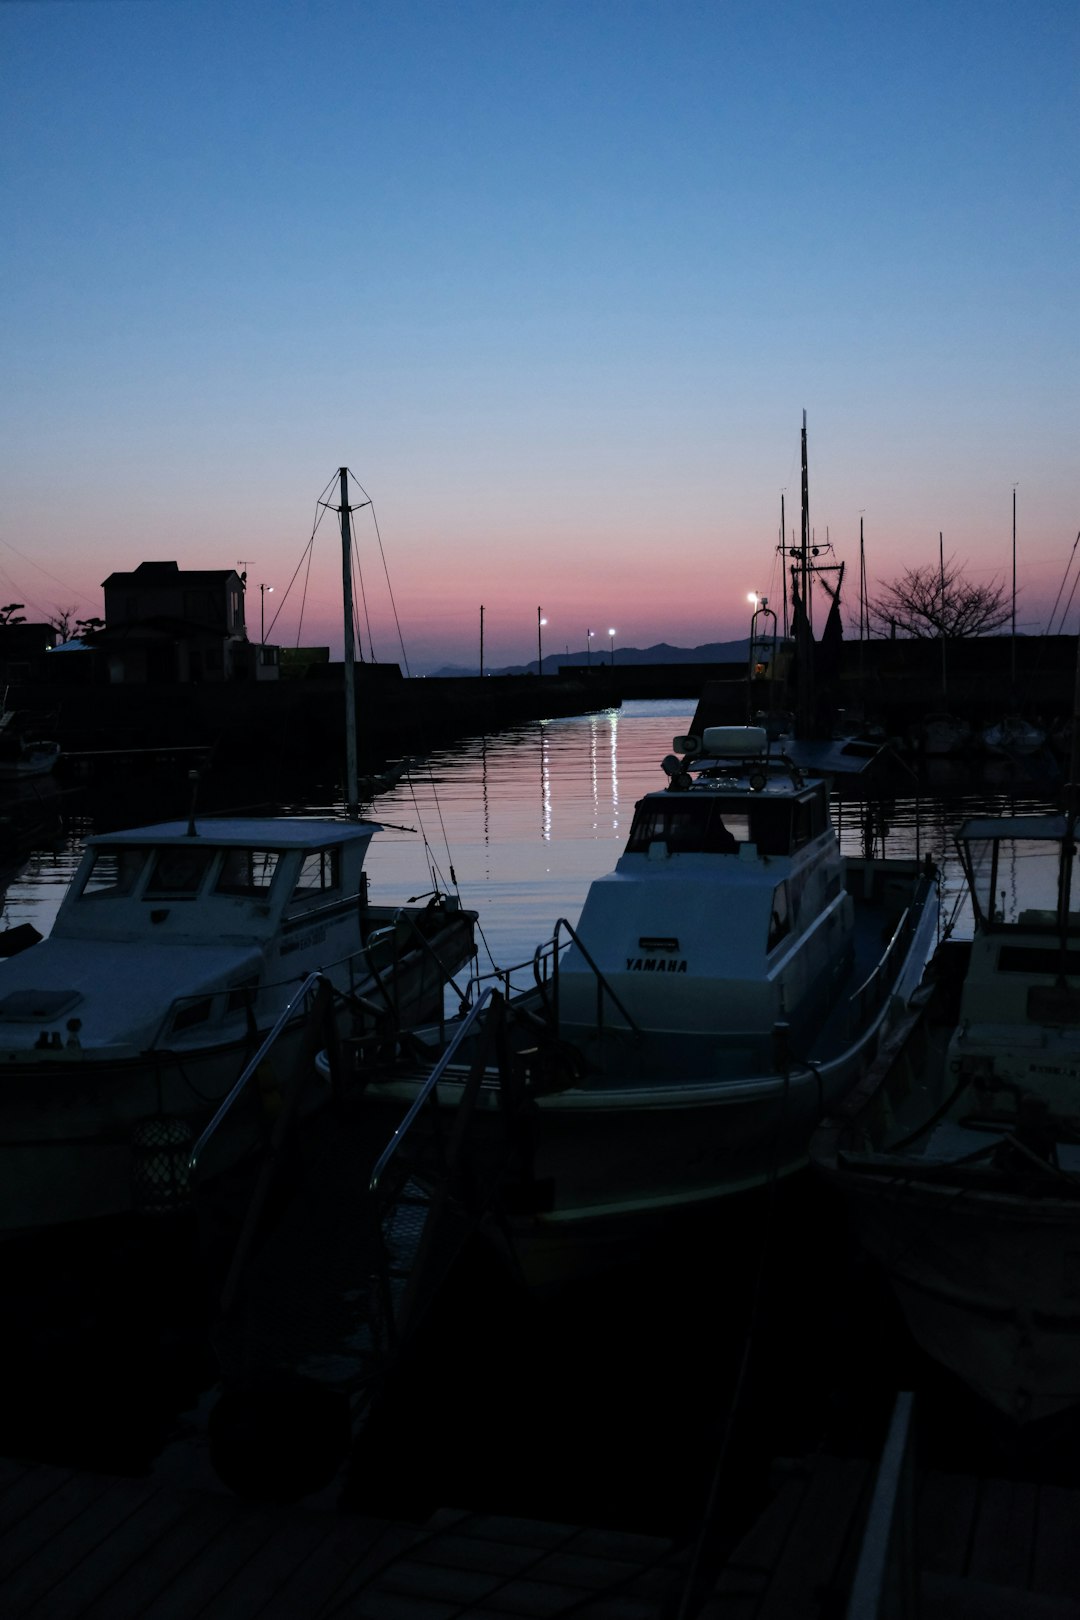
(958, 1155)
(725, 985)
(174, 952)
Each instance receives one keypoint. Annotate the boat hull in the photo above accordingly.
(989, 1285)
(608, 1162)
(89, 1136)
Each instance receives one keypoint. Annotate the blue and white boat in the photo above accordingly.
(724, 987)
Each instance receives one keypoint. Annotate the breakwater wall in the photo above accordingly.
(300, 723)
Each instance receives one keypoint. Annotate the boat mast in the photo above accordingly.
(1014, 596)
(941, 572)
(805, 555)
(783, 564)
(805, 652)
(864, 606)
(352, 792)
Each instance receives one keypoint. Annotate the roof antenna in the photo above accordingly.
(193, 778)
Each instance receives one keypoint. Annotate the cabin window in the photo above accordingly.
(247, 871)
(195, 1012)
(115, 873)
(771, 826)
(689, 827)
(779, 917)
(319, 873)
(178, 870)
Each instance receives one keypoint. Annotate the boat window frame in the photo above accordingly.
(101, 856)
(254, 855)
(329, 858)
(201, 862)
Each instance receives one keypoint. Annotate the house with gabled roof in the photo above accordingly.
(165, 624)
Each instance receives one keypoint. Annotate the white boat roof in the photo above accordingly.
(1049, 827)
(282, 832)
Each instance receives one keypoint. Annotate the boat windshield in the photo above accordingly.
(1021, 881)
(700, 824)
(114, 872)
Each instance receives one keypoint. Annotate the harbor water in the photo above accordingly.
(758, 1336)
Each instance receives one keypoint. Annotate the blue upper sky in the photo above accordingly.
(556, 281)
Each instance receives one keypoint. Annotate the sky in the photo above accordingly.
(556, 282)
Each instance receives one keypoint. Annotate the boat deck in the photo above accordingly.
(77, 1546)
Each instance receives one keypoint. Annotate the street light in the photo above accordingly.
(611, 637)
(588, 645)
(263, 590)
(540, 622)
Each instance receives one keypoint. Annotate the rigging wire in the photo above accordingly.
(386, 572)
(1061, 587)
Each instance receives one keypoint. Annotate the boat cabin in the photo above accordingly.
(1020, 1004)
(727, 910)
(227, 879)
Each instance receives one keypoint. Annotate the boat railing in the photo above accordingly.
(315, 999)
(308, 996)
(404, 929)
(548, 980)
(875, 989)
(451, 1179)
(885, 1582)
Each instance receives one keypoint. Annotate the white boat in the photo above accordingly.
(726, 984)
(944, 735)
(958, 1155)
(1013, 736)
(176, 951)
(173, 953)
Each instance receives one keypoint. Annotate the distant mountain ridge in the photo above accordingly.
(713, 652)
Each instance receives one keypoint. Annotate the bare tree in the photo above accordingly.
(936, 599)
(63, 621)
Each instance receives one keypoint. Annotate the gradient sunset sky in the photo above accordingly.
(556, 281)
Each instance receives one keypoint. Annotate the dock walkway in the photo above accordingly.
(76, 1546)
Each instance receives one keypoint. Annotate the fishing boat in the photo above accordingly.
(958, 1154)
(178, 949)
(1013, 737)
(23, 753)
(724, 987)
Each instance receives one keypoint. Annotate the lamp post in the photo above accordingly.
(263, 589)
(540, 622)
(588, 646)
(762, 653)
(611, 638)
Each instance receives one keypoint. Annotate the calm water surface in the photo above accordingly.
(523, 820)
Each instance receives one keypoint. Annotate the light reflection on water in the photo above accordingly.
(525, 819)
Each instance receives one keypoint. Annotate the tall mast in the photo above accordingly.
(864, 606)
(805, 653)
(352, 793)
(805, 527)
(941, 571)
(1014, 595)
(783, 565)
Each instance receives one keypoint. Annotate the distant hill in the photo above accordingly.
(714, 652)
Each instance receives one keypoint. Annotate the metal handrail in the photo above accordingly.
(601, 982)
(390, 1151)
(288, 1013)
